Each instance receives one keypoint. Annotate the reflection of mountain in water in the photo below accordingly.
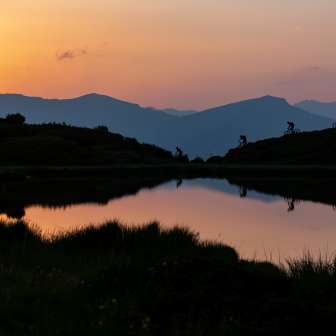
(292, 190)
(268, 190)
(225, 186)
(16, 196)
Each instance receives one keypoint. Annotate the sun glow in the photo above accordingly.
(179, 53)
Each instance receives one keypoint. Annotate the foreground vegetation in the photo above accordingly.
(115, 280)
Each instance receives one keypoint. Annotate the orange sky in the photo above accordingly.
(176, 53)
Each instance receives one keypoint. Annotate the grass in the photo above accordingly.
(115, 280)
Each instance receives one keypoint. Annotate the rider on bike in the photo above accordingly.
(179, 152)
(243, 140)
(291, 127)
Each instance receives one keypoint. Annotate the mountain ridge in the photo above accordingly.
(326, 109)
(205, 133)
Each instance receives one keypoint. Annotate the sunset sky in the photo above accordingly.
(169, 53)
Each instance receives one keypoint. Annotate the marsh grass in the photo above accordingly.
(147, 280)
(309, 265)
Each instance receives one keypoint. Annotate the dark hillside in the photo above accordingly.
(59, 144)
(310, 148)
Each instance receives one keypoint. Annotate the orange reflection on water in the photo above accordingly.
(258, 229)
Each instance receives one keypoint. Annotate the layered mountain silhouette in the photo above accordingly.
(89, 111)
(179, 113)
(206, 133)
(326, 109)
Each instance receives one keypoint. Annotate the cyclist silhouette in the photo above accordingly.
(291, 126)
(242, 141)
(291, 204)
(242, 192)
(179, 151)
(179, 183)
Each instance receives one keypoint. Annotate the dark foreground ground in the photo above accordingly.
(306, 148)
(148, 281)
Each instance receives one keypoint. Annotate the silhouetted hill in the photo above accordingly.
(313, 148)
(56, 144)
(217, 130)
(206, 133)
(320, 108)
(87, 111)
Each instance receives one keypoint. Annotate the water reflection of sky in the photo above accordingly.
(258, 225)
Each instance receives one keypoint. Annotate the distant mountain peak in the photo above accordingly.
(94, 97)
(270, 97)
(269, 100)
(326, 109)
(315, 101)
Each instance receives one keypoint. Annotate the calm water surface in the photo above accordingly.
(258, 225)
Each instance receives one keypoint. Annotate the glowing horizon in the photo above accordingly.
(189, 54)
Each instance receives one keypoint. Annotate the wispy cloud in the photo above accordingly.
(313, 68)
(71, 54)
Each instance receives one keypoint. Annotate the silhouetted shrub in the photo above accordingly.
(15, 119)
(102, 129)
(197, 160)
(215, 159)
(182, 159)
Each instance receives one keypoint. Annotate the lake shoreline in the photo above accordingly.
(170, 171)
